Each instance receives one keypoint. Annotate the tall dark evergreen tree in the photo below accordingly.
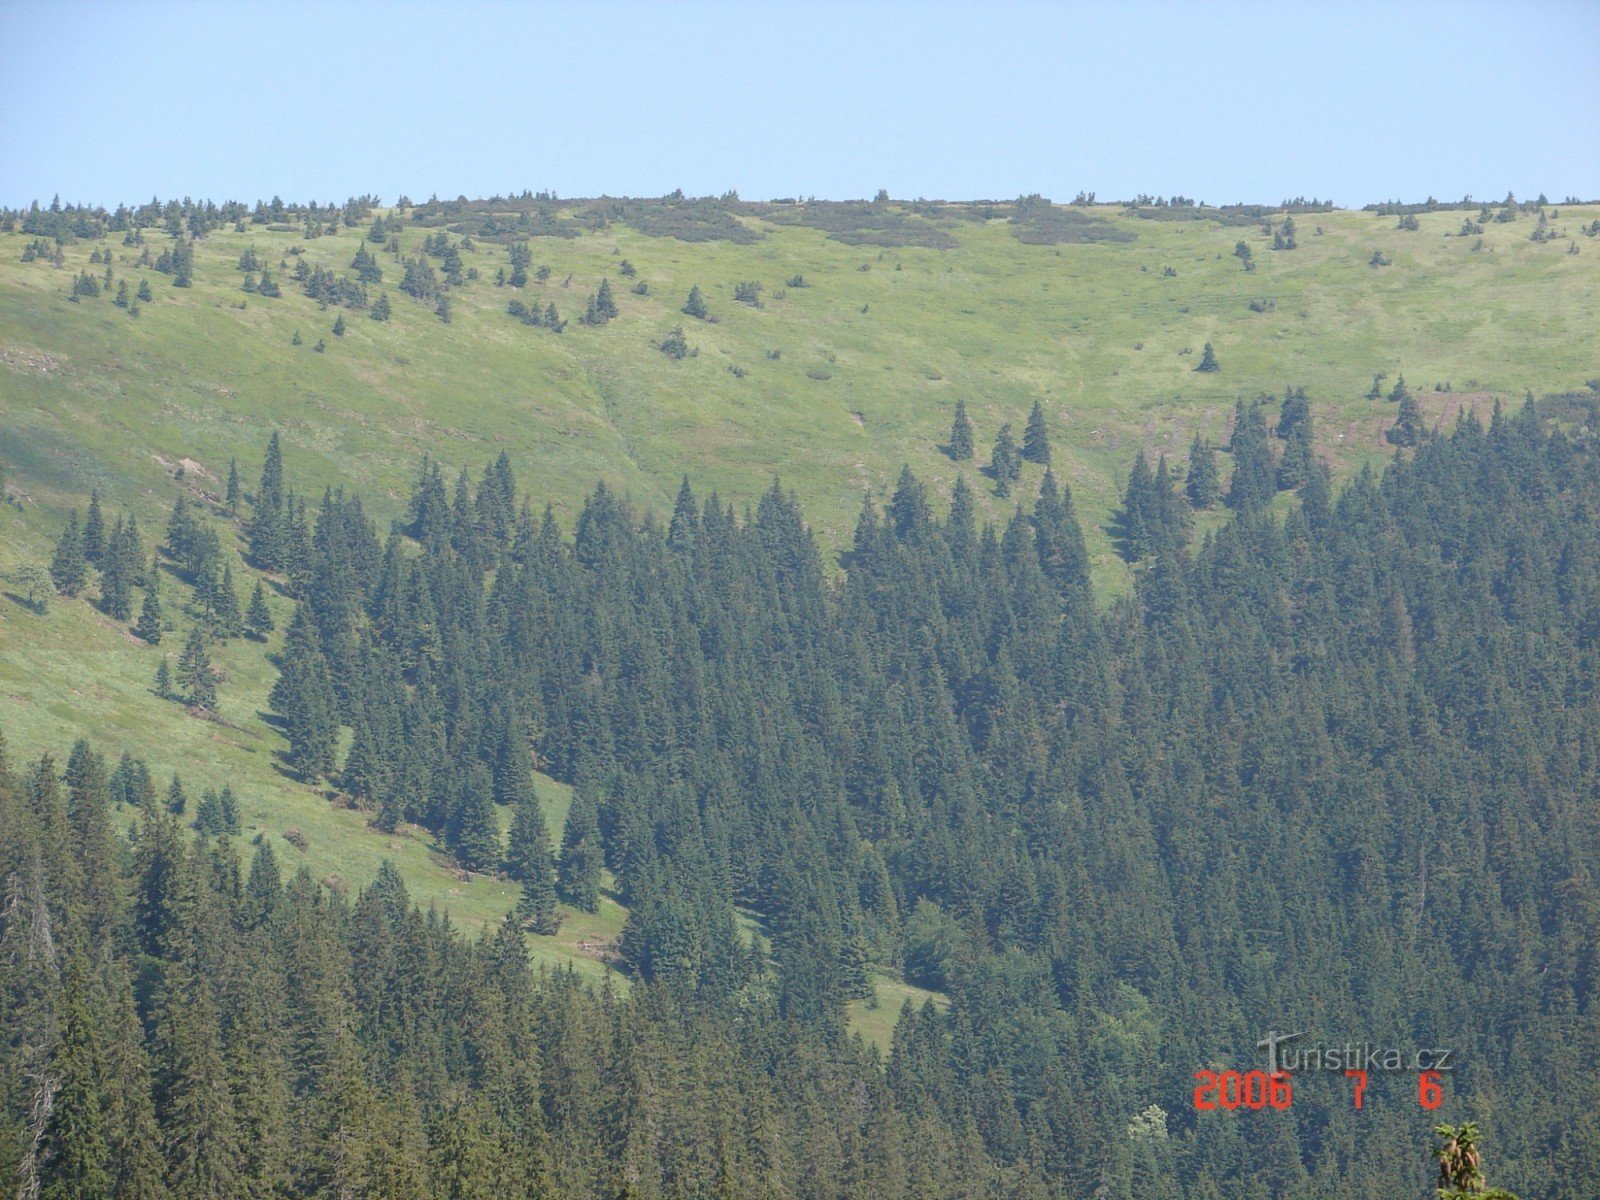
(194, 671)
(119, 565)
(148, 626)
(1139, 524)
(94, 530)
(1005, 461)
(303, 697)
(1204, 483)
(267, 527)
(582, 856)
(1408, 429)
(475, 827)
(74, 1153)
(1294, 427)
(68, 569)
(961, 434)
(1036, 437)
(1254, 481)
(258, 617)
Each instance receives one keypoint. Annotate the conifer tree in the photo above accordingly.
(536, 904)
(1294, 427)
(1407, 429)
(1063, 557)
(605, 304)
(68, 569)
(118, 565)
(1005, 463)
(163, 684)
(1208, 361)
(1204, 485)
(475, 828)
(961, 434)
(177, 798)
(303, 697)
(1138, 532)
(226, 604)
(94, 530)
(1036, 438)
(695, 306)
(194, 671)
(208, 814)
(199, 1122)
(74, 1153)
(233, 494)
(258, 617)
(582, 857)
(528, 845)
(1254, 481)
(148, 626)
(267, 529)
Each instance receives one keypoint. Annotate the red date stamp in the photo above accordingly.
(1256, 1090)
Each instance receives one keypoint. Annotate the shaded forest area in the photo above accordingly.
(1336, 771)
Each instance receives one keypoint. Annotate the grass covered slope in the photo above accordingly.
(833, 383)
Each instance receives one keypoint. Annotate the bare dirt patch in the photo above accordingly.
(32, 360)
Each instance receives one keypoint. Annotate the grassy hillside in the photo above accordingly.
(832, 385)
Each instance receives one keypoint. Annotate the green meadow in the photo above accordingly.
(831, 387)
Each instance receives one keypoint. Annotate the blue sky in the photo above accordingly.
(106, 102)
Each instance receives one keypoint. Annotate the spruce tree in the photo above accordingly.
(528, 859)
(116, 571)
(1005, 463)
(605, 305)
(528, 844)
(258, 617)
(68, 569)
(148, 626)
(695, 306)
(1294, 427)
(177, 798)
(1254, 481)
(1407, 429)
(226, 604)
(475, 827)
(74, 1152)
(1208, 361)
(163, 684)
(195, 1101)
(1204, 485)
(233, 493)
(194, 671)
(267, 529)
(94, 530)
(208, 814)
(304, 698)
(961, 434)
(578, 875)
(1137, 519)
(1036, 438)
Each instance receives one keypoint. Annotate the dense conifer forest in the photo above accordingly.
(1333, 769)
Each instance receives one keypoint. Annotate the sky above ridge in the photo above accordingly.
(1358, 103)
